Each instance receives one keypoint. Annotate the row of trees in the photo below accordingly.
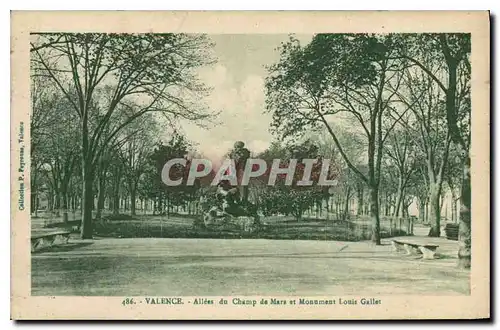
(100, 102)
(399, 189)
(406, 99)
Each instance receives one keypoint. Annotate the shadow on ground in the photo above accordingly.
(245, 267)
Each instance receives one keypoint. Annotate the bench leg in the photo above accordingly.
(427, 253)
(410, 250)
(62, 238)
(397, 247)
(48, 241)
(34, 245)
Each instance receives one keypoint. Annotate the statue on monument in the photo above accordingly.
(240, 154)
(233, 201)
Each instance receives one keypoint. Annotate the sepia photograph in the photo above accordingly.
(297, 169)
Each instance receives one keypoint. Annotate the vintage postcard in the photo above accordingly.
(250, 165)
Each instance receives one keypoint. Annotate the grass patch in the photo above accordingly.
(118, 217)
(314, 230)
(185, 226)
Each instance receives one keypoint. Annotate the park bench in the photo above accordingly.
(427, 250)
(45, 239)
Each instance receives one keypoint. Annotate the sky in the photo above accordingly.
(238, 93)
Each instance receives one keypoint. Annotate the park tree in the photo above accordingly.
(259, 188)
(139, 139)
(54, 145)
(343, 193)
(400, 151)
(115, 179)
(453, 179)
(452, 49)
(155, 72)
(41, 104)
(339, 74)
(293, 199)
(62, 159)
(430, 134)
(167, 196)
(240, 155)
(112, 168)
(349, 184)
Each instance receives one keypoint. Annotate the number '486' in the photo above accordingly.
(128, 301)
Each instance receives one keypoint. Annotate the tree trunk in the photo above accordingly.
(298, 213)
(87, 201)
(464, 227)
(453, 205)
(244, 194)
(435, 214)
(64, 192)
(57, 203)
(399, 197)
(384, 204)
(464, 231)
(101, 196)
(168, 206)
(359, 211)
(159, 204)
(34, 191)
(327, 205)
(37, 205)
(50, 201)
(374, 214)
(405, 205)
(116, 204)
(132, 199)
(346, 205)
(331, 200)
(426, 214)
(33, 200)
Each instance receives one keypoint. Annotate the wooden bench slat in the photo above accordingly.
(427, 250)
(41, 235)
(415, 244)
